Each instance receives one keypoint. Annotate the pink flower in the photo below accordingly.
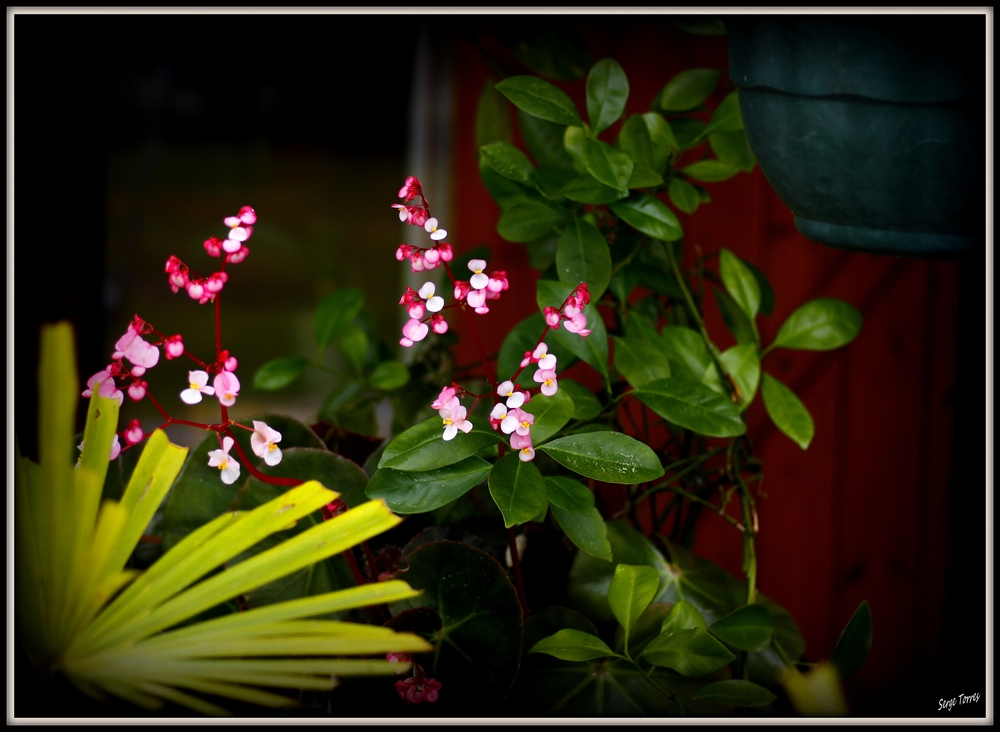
(431, 227)
(478, 279)
(196, 291)
(247, 215)
(526, 454)
(142, 354)
(173, 347)
(414, 690)
(517, 421)
(413, 215)
(138, 390)
(213, 246)
(578, 324)
(238, 256)
(461, 289)
(476, 299)
(215, 282)
(515, 398)
(116, 448)
(438, 324)
(197, 385)
(454, 420)
(104, 384)
(264, 443)
(446, 399)
(433, 303)
(133, 433)
(497, 282)
(411, 189)
(547, 378)
(413, 331)
(542, 357)
(405, 250)
(227, 388)
(229, 363)
(551, 317)
(220, 459)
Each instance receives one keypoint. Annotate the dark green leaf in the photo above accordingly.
(683, 195)
(587, 189)
(574, 140)
(766, 292)
(552, 180)
(733, 148)
(649, 215)
(504, 191)
(551, 415)
(855, 642)
(688, 90)
(736, 693)
(634, 139)
(354, 344)
(743, 364)
(710, 171)
(425, 490)
(572, 645)
(389, 376)
(735, 319)
(544, 140)
(820, 325)
(343, 397)
(607, 456)
(509, 162)
(492, 116)
(700, 25)
(587, 532)
(527, 221)
(692, 405)
(557, 51)
(726, 117)
(687, 132)
(662, 137)
(540, 99)
(632, 589)
(607, 91)
(740, 282)
(593, 348)
(607, 164)
(640, 361)
(570, 495)
(583, 256)
(638, 327)
(644, 177)
(422, 447)
(691, 652)
(686, 349)
(335, 313)
(586, 406)
(746, 628)
(683, 615)
(518, 489)
(542, 252)
(279, 373)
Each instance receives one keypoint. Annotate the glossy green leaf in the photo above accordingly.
(583, 256)
(746, 628)
(649, 215)
(736, 693)
(586, 406)
(682, 616)
(686, 349)
(662, 137)
(523, 337)
(586, 188)
(504, 191)
(354, 345)
(509, 162)
(544, 141)
(492, 116)
(740, 282)
(691, 652)
(540, 99)
(710, 171)
(389, 376)
(335, 313)
(743, 364)
(528, 221)
(592, 349)
(683, 195)
(693, 406)
(574, 139)
(635, 139)
(568, 494)
(687, 132)
(726, 117)
(640, 361)
(787, 412)
(607, 164)
(552, 180)
(586, 531)
(688, 90)
(766, 291)
(518, 489)
(572, 645)
(637, 326)
(425, 490)
(644, 177)
(278, 373)
(855, 642)
(551, 414)
(632, 589)
(820, 325)
(422, 447)
(607, 91)
(735, 319)
(607, 456)
(733, 148)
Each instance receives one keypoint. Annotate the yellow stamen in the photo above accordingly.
(222, 465)
(447, 423)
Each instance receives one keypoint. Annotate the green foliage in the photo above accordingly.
(854, 643)
(819, 325)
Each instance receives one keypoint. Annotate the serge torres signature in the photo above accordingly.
(960, 699)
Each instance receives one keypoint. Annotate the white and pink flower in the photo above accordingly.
(220, 459)
(227, 388)
(197, 385)
(454, 419)
(264, 442)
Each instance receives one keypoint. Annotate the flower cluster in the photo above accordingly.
(418, 688)
(508, 415)
(204, 289)
(453, 414)
(481, 287)
(571, 312)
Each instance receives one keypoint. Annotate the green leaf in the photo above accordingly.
(736, 693)
(587, 532)
(644, 177)
(583, 256)
(544, 140)
(649, 215)
(766, 292)
(662, 137)
(855, 642)
(504, 191)
(726, 117)
(635, 139)
(688, 90)
(710, 171)
(552, 180)
(747, 628)
(743, 364)
(686, 349)
(740, 282)
(509, 162)
(587, 189)
(422, 447)
(607, 91)
(574, 139)
(572, 645)
(683, 195)
(335, 313)
(540, 99)
(528, 221)
(425, 490)
(691, 652)
(733, 148)
(354, 344)
(640, 361)
(632, 589)
(693, 406)
(735, 319)
(608, 165)
(518, 489)
(492, 116)
(569, 495)
(607, 456)
(279, 373)
(542, 252)
(820, 325)
(551, 414)
(592, 349)
(585, 404)
(389, 376)
(700, 25)
(687, 132)
(682, 616)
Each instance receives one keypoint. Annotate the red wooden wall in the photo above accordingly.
(862, 513)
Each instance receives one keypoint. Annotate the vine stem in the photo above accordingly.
(750, 525)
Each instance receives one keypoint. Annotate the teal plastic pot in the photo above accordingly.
(871, 129)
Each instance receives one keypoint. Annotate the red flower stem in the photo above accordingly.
(218, 329)
(273, 480)
(370, 558)
(160, 409)
(516, 562)
(479, 345)
(359, 579)
(537, 343)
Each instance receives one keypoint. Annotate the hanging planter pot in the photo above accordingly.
(871, 129)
